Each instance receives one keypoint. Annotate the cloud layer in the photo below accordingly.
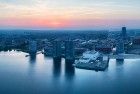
(69, 13)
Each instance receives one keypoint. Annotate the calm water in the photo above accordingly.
(40, 75)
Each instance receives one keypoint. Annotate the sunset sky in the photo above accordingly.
(69, 14)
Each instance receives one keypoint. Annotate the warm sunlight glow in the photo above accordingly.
(69, 13)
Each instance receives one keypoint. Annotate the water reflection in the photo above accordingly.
(32, 61)
(119, 69)
(56, 68)
(32, 58)
(119, 62)
(69, 70)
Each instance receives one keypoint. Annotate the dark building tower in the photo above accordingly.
(120, 43)
(69, 51)
(32, 47)
(57, 50)
(120, 46)
(124, 33)
(120, 49)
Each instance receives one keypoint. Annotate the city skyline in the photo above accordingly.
(69, 14)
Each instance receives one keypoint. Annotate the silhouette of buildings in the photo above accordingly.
(57, 50)
(120, 46)
(124, 33)
(122, 38)
(69, 51)
(32, 47)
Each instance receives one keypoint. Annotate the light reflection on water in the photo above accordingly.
(42, 75)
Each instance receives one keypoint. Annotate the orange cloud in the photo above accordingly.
(67, 23)
(45, 23)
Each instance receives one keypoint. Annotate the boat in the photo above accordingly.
(26, 55)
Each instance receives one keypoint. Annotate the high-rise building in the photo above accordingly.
(121, 41)
(120, 46)
(124, 33)
(57, 49)
(69, 51)
(32, 47)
